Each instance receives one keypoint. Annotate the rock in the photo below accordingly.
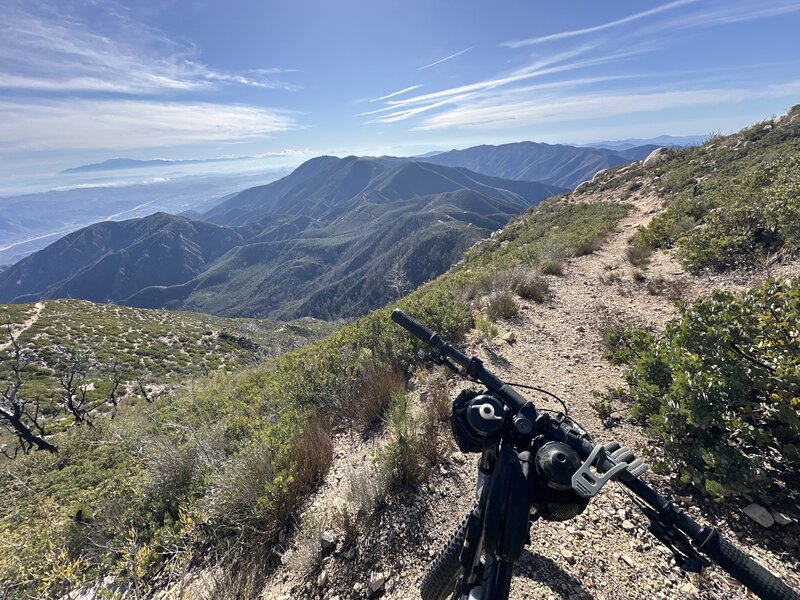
(350, 554)
(781, 518)
(628, 526)
(510, 337)
(688, 589)
(628, 561)
(759, 514)
(598, 174)
(568, 556)
(281, 536)
(328, 540)
(322, 580)
(655, 157)
(376, 581)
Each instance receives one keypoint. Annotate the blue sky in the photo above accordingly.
(87, 81)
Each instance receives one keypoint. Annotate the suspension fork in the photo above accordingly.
(472, 550)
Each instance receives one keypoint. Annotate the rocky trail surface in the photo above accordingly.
(17, 330)
(604, 553)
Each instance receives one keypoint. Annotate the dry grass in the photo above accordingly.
(305, 554)
(638, 256)
(611, 278)
(363, 491)
(313, 452)
(674, 289)
(590, 246)
(553, 266)
(533, 287)
(404, 456)
(501, 306)
(435, 396)
(373, 392)
(240, 500)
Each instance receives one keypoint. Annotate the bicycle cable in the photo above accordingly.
(537, 389)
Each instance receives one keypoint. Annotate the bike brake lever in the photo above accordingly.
(687, 558)
(436, 359)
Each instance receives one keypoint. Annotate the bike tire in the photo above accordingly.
(440, 580)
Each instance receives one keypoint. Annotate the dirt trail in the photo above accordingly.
(18, 329)
(605, 553)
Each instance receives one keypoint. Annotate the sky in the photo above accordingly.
(82, 82)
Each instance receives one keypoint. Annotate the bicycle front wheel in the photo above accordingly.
(440, 581)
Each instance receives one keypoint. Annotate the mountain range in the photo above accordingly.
(317, 242)
(554, 164)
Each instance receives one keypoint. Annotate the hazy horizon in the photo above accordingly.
(81, 83)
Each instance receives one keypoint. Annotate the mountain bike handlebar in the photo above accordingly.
(666, 518)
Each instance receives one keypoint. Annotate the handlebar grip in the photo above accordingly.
(755, 577)
(417, 329)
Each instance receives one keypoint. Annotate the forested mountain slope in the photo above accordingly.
(319, 242)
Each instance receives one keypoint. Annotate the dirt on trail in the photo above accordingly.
(18, 329)
(604, 553)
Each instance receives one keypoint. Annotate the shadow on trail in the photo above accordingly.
(495, 358)
(545, 570)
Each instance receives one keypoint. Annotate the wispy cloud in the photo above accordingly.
(397, 93)
(446, 58)
(46, 48)
(567, 60)
(578, 32)
(515, 110)
(118, 124)
(728, 13)
(570, 83)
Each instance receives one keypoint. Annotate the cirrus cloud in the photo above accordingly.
(117, 124)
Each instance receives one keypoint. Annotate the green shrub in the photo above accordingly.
(486, 329)
(403, 455)
(603, 409)
(720, 388)
(734, 210)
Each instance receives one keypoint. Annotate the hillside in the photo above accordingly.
(156, 349)
(554, 164)
(228, 488)
(109, 261)
(318, 242)
(327, 187)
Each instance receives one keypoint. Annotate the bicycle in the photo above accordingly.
(536, 466)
